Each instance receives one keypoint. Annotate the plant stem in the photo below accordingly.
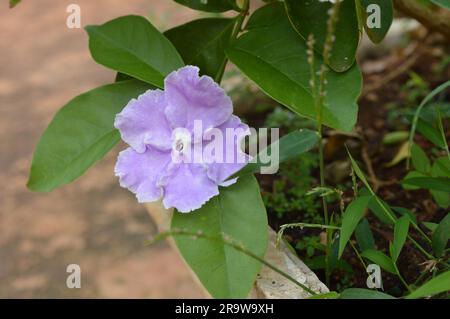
(227, 240)
(237, 29)
(319, 102)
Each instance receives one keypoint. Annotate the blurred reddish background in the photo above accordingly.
(92, 222)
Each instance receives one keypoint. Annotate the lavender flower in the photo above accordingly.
(162, 130)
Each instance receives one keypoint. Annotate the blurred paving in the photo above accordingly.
(92, 222)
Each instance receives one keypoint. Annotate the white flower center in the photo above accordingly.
(181, 140)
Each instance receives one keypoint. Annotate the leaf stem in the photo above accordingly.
(227, 240)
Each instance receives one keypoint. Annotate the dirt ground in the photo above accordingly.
(92, 222)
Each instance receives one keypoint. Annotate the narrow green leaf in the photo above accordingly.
(377, 16)
(311, 17)
(364, 235)
(239, 213)
(80, 134)
(203, 42)
(441, 168)
(400, 233)
(430, 132)
(360, 173)
(132, 45)
(351, 218)
(420, 159)
(412, 174)
(431, 226)
(395, 137)
(360, 293)
(434, 183)
(437, 285)
(441, 236)
(274, 56)
(381, 210)
(406, 212)
(380, 259)
(289, 146)
(424, 102)
(210, 5)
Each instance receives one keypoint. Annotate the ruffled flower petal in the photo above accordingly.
(143, 122)
(188, 187)
(140, 172)
(191, 97)
(237, 159)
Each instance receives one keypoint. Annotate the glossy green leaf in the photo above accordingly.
(311, 17)
(132, 45)
(203, 42)
(433, 183)
(442, 3)
(239, 213)
(420, 159)
(210, 5)
(441, 236)
(289, 146)
(380, 259)
(364, 235)
(401, 229)
(437, 285)
(377, 16)
(80, 134)
(360, 293)
(274, 56)
(351, 218)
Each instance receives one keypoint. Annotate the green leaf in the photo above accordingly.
(210, 5)
(380, 259)
(359, 173)
(442, 3)
(406, 212)
(364, 236)
(395, 137)
(311, 17)
(381, 210)
(132, 45)
(80, 134)
(239, 213)
(412, 174)
(371, 15)
(437, 285)
(441, 236)
(425, 101)
(441, 168)
(352, 216)
(430, 132)
(431, 226)
(289, 146)
(420, 159)
(203, 42)
(433, 183)
(360, 293)
(400, 233)
(274, 56)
